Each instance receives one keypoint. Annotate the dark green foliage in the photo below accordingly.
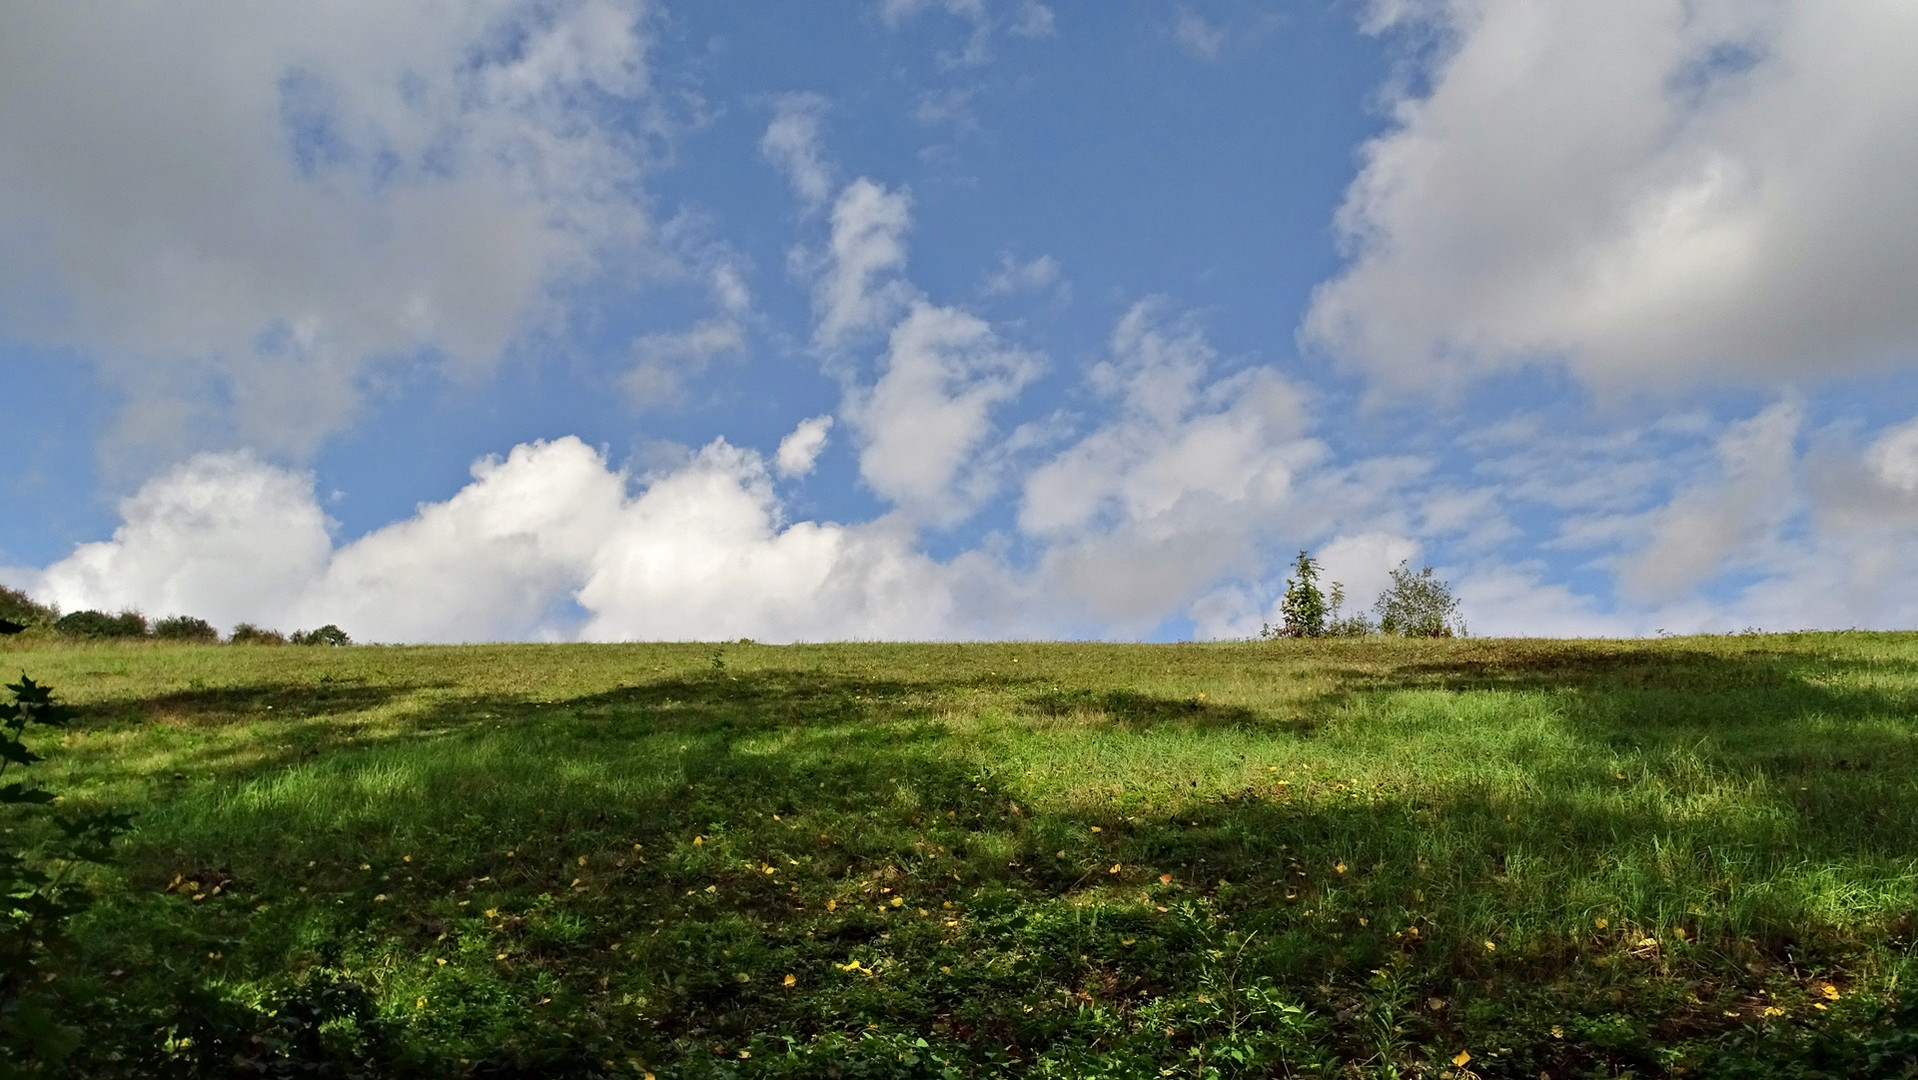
(1874, 1044)
(327, 1026)
(17, 607)
(248, 634)
(185, 628)
(325, 635)
(98, 624)
(37, 894)
(1418, 605)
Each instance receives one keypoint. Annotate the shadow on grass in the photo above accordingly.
(655, 842)
(253, 703)
(1767, 709)
(1130, 710)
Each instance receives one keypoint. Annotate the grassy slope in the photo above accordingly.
(1580, 858)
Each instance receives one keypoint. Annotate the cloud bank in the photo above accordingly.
(1652, 194)
(398, 182)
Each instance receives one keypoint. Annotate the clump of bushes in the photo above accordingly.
(20, 610)
(186, 628)
(325, 635)
(98, 624)
(1413, 605)
(248, 634)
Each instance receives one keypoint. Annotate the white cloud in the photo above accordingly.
(800, 450)
(1034, 20)
(1037, 274)
(263, 207)
(666, 360)
(1513, 601)
(1893, 457)
(500, 559)
(545, 543)
(926, 419)
(1196, 36)
(1183, 487)
(1655, 193)
(792, 143)
(1363, 564)
(1188, 500)
(895, 12)
(860, 289)
(1723, 521)
(702, 554)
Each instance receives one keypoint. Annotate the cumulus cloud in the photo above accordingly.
(262, 208)
(925, 420)
(702, 554)
(224, 537)
(1893, 457)
(800, 450)
(549, 543)
(1654, 193)
(860, 288)
(792, 144)
(497, 560)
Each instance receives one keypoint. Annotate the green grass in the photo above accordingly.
(1687, 857)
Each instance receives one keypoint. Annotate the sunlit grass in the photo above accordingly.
(1061, 860)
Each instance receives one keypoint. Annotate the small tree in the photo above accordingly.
(1418, 605)
(1303, 608)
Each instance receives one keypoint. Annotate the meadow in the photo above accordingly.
(1395, 858)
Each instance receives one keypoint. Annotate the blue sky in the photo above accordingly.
(616, 319)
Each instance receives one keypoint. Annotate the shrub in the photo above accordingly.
(248, 634)
(36, 896)
(1418, 605)
(325, 635)
(185, 628)
(20, 609)
(1302, 611)
(98, 624)
(1304, 606)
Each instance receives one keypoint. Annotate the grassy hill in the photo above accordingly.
(1687, 857)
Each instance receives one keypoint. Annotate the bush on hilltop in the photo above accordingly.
(248, 634)
(1418, 605)
(98, 624)
(22, 610)
(186, 628)
(325, 635)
